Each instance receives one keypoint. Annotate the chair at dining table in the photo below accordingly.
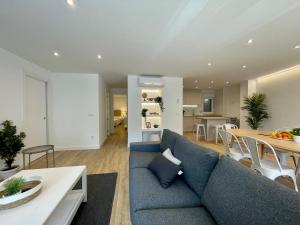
(268, 168)
(228, 126)
(235, 151)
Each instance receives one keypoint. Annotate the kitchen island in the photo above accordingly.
(210, 125)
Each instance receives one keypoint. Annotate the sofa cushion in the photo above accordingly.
(168, 140)
(141, 159)
(236, 195)
(197, 163)
(165, 171)
(146, 192)
(179, 216)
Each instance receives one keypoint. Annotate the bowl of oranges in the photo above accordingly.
(283, 135)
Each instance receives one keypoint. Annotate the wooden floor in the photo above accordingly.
(113, 157)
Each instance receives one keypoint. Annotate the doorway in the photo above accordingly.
(120, 113)
(35, 111)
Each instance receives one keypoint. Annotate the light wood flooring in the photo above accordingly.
(114, 157)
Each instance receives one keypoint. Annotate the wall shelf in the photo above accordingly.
(152, 107)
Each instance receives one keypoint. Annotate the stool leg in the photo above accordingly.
(197, 133)
(23, 161)
(204, 133)
(47, 158)
(29, 164)
(53, 158)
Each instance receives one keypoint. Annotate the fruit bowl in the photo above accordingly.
(283, 135)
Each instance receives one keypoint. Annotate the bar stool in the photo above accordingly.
(217, 128)
(197, 127)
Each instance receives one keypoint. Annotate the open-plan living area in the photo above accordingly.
(161, 112)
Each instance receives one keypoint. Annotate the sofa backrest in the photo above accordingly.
(168, 140)
(236, 195)
(197, 162)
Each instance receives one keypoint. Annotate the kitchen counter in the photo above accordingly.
(213, 118)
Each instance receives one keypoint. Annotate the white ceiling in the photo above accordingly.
(166, 37)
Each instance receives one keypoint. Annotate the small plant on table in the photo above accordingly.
(13, 186)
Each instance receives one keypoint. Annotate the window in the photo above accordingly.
(208, 104)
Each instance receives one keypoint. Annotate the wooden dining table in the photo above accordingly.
(280, 145)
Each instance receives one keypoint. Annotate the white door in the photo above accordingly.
(35, 112)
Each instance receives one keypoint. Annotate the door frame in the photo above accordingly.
(25, 76)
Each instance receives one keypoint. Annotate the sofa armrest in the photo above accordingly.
(145, 146)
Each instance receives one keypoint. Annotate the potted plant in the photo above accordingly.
(159, 100)
(296, 134)
(257, 110)
(13, 186)
(144, 114)
(11, 144)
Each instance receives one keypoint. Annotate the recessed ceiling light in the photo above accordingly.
(250, 41)
(209, 64)
(56, 54)
(209, 87)
(227, 82)
(71, 3)
(196, 87)
(244, 66)
(196, 81)
(297, 46)
(211, 81)
(99, 56)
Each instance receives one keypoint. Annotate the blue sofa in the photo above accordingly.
(211, 191)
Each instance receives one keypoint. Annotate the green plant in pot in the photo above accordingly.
(159, 100)
(11, 144)
(296, 134)
(257, 110)
(144, 114)
(13, 186)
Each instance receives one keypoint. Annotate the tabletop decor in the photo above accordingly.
(159, 100)
(283, 135)
(144, 114)
(296, 134)
(18, 191)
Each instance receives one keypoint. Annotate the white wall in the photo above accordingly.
(231, 101)
(103, 110)
(282, 90)
(172, 98)
(172, 94)
(134, 110)
(74, 111)
(12, 72)
(218, 102)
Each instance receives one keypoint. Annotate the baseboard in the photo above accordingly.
(103, 142)
(66, 148)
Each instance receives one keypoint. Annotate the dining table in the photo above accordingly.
(280, 145)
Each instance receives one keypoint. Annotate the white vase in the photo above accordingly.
(297, 139)
(4, 174)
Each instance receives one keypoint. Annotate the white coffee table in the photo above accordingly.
(56, 204)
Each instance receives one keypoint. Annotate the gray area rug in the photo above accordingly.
(101, 191)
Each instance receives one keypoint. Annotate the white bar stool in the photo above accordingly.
(217, 128)
(197, 127)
